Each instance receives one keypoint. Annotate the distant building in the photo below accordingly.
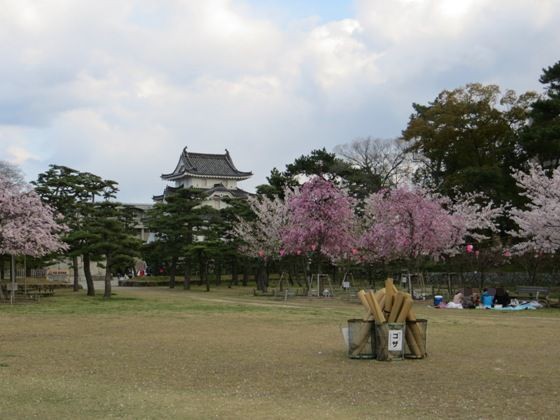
(141, 230)
(216, 174)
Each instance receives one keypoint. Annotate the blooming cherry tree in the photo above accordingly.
(407, 224)
(478, 215)
(27, 226)
(262, 237)
(320, 220)
(539, 222)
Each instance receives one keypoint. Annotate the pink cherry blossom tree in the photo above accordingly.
(414, 224)
(482, 247)
(408, 224)
(321, 224)
(538, 224)
(477, 213)
(320, 220)
(27, 226)
(261, 237)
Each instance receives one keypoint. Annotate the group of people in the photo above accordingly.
(486, 299)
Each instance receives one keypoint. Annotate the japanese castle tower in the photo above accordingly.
(214, 173)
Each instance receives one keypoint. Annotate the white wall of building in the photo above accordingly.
(205, 183)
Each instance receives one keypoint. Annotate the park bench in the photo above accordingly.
(538, 293)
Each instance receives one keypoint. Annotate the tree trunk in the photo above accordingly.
(261, 278)
(245, 279)
(319, 281)
(2, 270)
(256, 276)
(532, 266)
(294, 275)
(87, 273)
(13, 278)
(218, 273)
(76, 272)
(172, 272)
(108, 278)
(234, 276)
(187, 277)
(206, 276)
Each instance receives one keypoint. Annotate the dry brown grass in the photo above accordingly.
(155, 353)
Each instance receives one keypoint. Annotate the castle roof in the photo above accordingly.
(206, 165)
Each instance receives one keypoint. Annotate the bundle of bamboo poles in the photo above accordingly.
(390, 305)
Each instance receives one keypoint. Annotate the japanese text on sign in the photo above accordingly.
(395, 340)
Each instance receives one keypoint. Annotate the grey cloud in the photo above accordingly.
(119, 88)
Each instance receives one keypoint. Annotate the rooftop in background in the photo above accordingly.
(139, 206)
(206, 165)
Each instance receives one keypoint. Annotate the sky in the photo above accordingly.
(119, 88)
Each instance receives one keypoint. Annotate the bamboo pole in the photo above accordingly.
(365, 331)
(417, 332)
(377, 312)
(365, 303)
(407, 304)
(397, 305)
(411, 338)
(382, 302)
(381, 341)
(412, 344)
(389, 294)
(380, 294)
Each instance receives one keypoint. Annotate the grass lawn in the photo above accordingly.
(157, 353)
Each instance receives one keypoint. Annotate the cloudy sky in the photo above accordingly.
(119, 87)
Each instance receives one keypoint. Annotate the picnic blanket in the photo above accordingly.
(521, 307)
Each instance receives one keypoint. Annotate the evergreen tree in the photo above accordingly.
(541, 140)
(329, 166)
(467, 140)
(175, 222)
(73, 193)
(208, 245)
(109, 236)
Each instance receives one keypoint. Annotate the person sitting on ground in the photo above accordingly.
(487, 298)
(457, 302)
(459, 298)
(476, 299)
(502, 297)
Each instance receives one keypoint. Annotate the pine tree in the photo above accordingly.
(73, 193)
(175, 223)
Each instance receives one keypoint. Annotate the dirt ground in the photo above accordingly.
(156, 353)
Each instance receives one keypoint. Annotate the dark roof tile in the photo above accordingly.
(206, 164)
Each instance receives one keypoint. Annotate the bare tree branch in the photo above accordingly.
(386, 159)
